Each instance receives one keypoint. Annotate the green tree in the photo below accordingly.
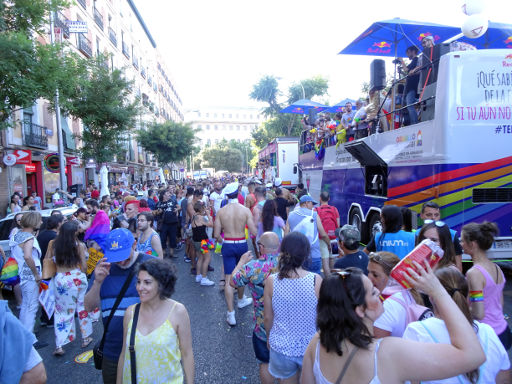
(222, 158)
(170, 142)
(28, 69)
(267, 91)
(102, 100)
(307, 89)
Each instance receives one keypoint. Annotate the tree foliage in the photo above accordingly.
(307, 89)
(223, 158)
(170, 142)
(28, 68)
(103, 100)
(267, 91)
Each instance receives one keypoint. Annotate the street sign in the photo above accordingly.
(23, 156)
(9, 160)
(77, 26)
(73, 161)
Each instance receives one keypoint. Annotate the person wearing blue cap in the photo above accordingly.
(307, 222)
(107, 281)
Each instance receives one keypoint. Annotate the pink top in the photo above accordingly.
(492, 302)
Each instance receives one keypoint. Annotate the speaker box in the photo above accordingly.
(428, 107)
(377, 75)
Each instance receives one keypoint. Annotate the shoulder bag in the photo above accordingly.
(131, 347)
(98, 348)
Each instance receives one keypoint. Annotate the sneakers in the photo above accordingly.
(198, 278)
(206, 281)
(187, 260)
(230, 318)
(244, 302)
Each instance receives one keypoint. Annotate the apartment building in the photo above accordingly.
(217, 123)
(117, 28)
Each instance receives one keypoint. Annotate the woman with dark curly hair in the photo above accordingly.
(70, 284)
(345, 351)
(163, 336)
(270, 220)
(290, 299)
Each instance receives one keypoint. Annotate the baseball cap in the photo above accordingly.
(349, 234)
(118, 245)
(307, 198)
(278, 182)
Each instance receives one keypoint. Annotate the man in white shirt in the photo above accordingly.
(216, 197)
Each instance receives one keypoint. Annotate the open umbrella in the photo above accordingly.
(339, 106)
(104, 181)
(303, 106)
(391, 38)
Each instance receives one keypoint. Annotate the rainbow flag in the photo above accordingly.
(10, 274)
(99, 229)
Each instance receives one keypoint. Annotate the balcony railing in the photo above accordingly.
(84, 45)
(135, 62)
(82, 3)
(126, 50)
(34, 135)
(112, 36)
(60, 22)
(143, 72)
(98, 18)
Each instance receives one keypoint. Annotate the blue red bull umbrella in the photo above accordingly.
(498, 36)
(303, 106)
(339, 106)
(391, 38)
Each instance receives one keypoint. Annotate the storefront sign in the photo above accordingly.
(30, 168)
(23, 156)
(52, 163)
(9, 160)
(73, 161)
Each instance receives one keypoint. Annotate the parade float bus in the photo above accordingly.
(278, 159)
(459, 156)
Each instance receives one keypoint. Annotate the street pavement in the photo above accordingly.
(222, 354)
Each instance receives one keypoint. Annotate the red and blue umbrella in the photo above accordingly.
(390, 38)
(303, 106)
(339, 106)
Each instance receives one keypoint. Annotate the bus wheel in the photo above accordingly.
(356, 219)
(374, 226)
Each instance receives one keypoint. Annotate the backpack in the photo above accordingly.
(329, 219)
(307, 227)
(413, 311)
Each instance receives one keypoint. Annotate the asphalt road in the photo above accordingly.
(222, 354)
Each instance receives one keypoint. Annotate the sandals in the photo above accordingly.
(222, 283)
(86, 342)
(58, 352)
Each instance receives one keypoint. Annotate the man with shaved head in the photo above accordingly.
(253, 273)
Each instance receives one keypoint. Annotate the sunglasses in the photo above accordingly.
(376, 258)
(438, 223)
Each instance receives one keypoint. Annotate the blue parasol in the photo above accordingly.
(303, 106)
(339, 106)
(498, 36)
(392, 37)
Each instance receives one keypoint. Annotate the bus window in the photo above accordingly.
(376, 180)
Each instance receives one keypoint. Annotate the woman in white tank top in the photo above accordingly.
(345, 351)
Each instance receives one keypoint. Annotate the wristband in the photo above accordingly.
(476, 296)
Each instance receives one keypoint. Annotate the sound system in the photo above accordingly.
(377, 75)
(428, 106)
(435, 52)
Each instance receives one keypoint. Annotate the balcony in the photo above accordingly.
(143, 72)
(98, 18)
(34, 135)
(84, 45)
(112, 36)
(135, 63)
(60, 22)
(82, 3)
(126, 50)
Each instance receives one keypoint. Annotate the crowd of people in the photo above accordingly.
(326, 309)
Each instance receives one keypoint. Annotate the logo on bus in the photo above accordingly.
(414, 139)
(508, 59)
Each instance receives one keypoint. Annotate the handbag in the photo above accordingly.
(98, 348)
(49, 268)
(131, 347)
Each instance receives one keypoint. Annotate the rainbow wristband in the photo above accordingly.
(476, 296)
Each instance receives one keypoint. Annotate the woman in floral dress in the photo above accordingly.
(70, 285)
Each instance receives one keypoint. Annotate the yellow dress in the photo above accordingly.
(157, 354)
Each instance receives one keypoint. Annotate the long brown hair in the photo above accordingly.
(457, 287)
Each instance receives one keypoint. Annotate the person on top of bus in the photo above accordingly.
(392, 238)
(431, 211)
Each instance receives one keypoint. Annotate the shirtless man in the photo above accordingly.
(286, 193)
(232, 219)
(250, 199)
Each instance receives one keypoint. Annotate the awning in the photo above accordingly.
(67, 134)
(363, 153)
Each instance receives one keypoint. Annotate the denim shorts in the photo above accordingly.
(283, 367)
(260, 349)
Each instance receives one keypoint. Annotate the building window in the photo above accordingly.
(214, 115)
(216, 127)
(236, 116)
(230, 116)
(199, 126)
(250, 116)
(223, 116)
(237, 127)
(198, 114)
